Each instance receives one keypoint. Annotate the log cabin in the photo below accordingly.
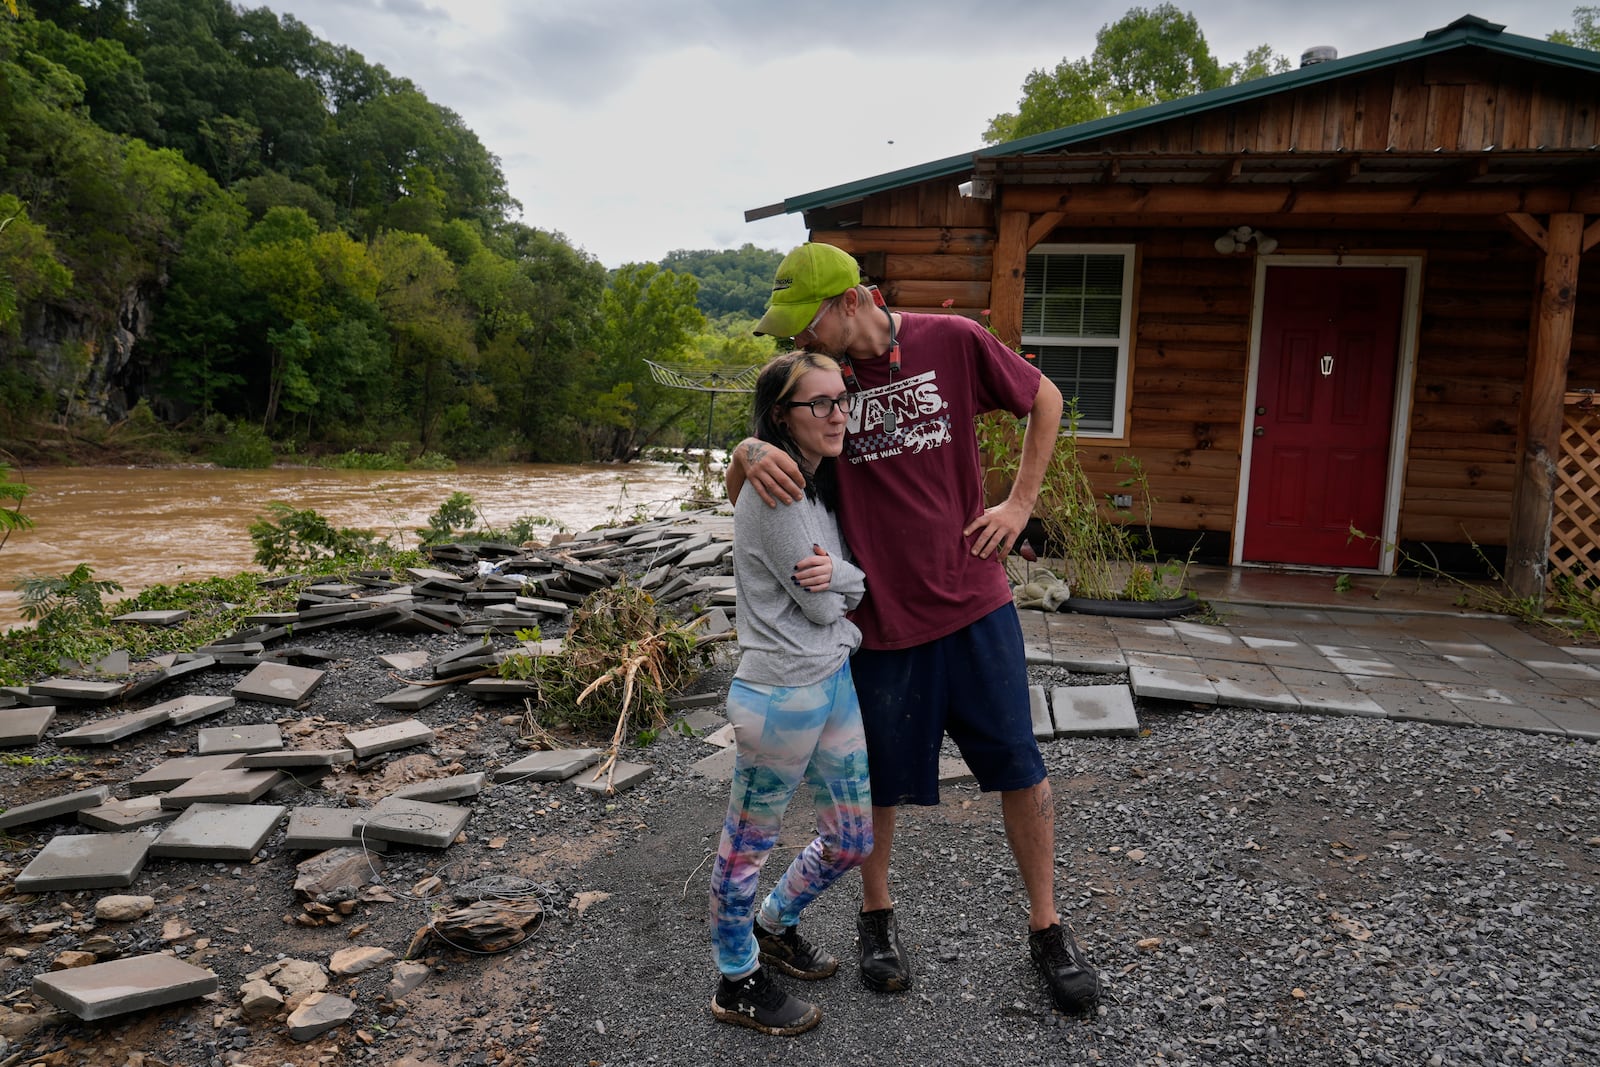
(1341, 296)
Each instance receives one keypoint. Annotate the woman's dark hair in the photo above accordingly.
(776, 384)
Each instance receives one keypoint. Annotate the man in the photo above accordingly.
(941, 643)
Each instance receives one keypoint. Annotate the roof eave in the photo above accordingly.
(1472, 34)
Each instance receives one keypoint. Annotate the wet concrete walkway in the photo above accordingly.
(1290, 642)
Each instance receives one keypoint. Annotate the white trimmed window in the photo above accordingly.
(1077, 307)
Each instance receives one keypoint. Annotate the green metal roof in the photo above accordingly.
(1469, 31)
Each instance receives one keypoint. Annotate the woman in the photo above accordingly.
(792, 704)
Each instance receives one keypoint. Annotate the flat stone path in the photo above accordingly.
(1455, 670)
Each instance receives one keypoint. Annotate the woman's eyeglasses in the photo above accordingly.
(823, 406)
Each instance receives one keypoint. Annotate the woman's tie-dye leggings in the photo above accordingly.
(785, 734)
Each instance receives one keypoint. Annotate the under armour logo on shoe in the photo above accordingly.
(749, 1009)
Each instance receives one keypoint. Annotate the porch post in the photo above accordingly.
(1543, 389)
(1005, 281)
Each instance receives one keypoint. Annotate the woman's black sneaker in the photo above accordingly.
(1074, 985)
(883, 963)
(761, 1004)
(793, 954)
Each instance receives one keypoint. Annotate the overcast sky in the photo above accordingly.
(636, 127)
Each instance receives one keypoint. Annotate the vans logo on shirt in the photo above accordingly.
(898, 417)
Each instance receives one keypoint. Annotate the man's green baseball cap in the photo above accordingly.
(807, 276)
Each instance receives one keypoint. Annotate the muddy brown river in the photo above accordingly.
(147, 526)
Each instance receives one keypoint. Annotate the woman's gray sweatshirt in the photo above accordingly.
(790, 636)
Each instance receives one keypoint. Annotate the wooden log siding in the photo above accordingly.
(1435, 103)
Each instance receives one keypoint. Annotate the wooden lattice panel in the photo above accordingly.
(1575, 514)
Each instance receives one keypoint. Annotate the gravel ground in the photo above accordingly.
(1256, 889)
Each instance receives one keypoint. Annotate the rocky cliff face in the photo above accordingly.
(90, 361)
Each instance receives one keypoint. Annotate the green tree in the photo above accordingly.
(430, 333)
(1585, 32)
(737, 281)
(646, 313)
(1147, 56)
(29, 267)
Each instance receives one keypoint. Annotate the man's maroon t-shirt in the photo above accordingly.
(910, 479)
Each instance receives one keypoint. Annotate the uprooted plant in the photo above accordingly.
(1105, 552)
(618, 663)
(1568, 604)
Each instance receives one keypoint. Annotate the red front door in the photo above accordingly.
(1319, 464)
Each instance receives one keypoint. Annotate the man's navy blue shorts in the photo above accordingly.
(973, 685)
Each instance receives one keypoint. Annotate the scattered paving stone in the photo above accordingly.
(622, 777)
(54, 807)
(406, 661)
(453, 787)
(86, 861)
(414, 822)
(81, 690)
(319, 1013)
(24, 726)
(218, 832)
(279, 683)
(556, 766)
(290, 758)
(718, 766)
(1094, 710)
(106, 731)
(1162, 684)
(187, 709)
(414, 697)
(359, 960)
(396, 735)
(153, 618)
(172, 773)
(133, 814)
(1039, 710)
(135, 983)
(954, 769)
(699, 722)
(235, 785)
(257, 737)
(724, 737)
(123, 909)
(329, 828)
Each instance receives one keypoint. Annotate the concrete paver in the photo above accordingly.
(555, 766)
(172, 773)
(218, 832)
(414, 822)
(86, 861)
(135, 813)
(106, 731)
(54, 807)
(279, 683)
(395, 735)
(234, 785)
(254, 737)
(1093, 710)
(24, 726)
(134, 983)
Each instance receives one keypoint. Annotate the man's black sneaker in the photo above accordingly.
(884, 967)
(1074, 985)
(793, 954)
(761, 1004)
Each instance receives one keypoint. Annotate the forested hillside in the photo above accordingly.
(212, 217)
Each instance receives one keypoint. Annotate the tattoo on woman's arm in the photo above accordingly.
(753, 453)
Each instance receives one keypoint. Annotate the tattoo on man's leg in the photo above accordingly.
(1044, 801)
